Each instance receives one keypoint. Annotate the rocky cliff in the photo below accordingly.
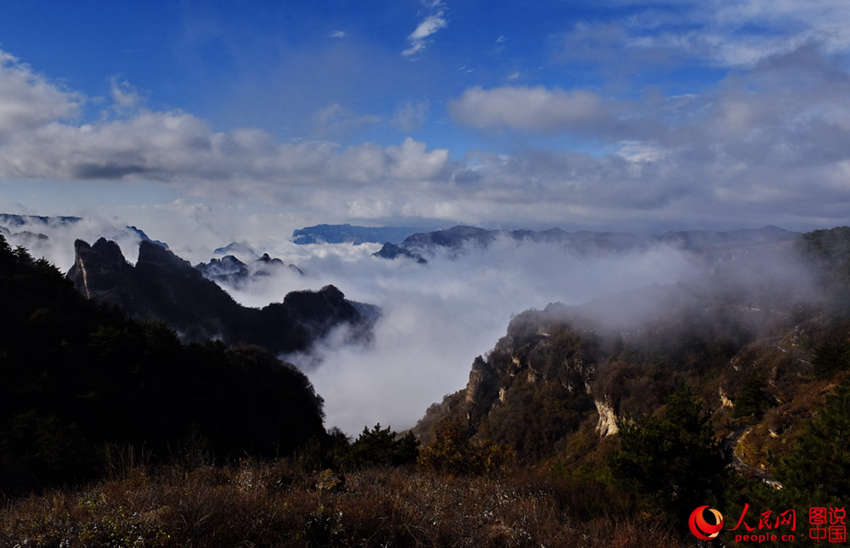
(761, 355)
(164, 287)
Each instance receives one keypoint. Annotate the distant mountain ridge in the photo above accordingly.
(346, 233)
(233, 272)
(417, 246)
(19, 220)
(237, 249)
(8, 222)
(164, 287)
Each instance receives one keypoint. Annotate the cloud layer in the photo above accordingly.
(766, 144)
(526, 108)
(437, 318)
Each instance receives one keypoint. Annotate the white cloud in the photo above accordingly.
(28, 100)
(418, 39)
(39, 142)
(717, 32)
(334, 120)
(766, 145)
(637, 151)
(411, 161)
(437, 318)
(337, 34)
(124, 95)
(410, 115)
(526, 108)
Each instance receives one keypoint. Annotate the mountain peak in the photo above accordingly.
(150, 252)
(164, 287)
(98, 269)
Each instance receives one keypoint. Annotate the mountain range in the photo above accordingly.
(163, 287)
(760, 350)
(229, 270)
(729, 388)
(418, 246)
(10, 225)
(346, 233)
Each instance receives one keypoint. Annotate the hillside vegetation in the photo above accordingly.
(78, 378)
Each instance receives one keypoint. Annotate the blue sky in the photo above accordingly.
(275, 66)
(615, 114)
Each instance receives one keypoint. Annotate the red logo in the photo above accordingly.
(701, 528)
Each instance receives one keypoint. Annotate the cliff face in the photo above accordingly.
(164, 287)
(109, 270)
(561, 380)
(530, 392)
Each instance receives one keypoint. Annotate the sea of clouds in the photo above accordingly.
(435, 318)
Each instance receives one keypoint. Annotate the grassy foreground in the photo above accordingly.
(274, 504)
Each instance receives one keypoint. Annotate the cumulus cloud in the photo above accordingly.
(776, 134)
(766, 145)
(412, 161)
(28, 100)
(39, 141)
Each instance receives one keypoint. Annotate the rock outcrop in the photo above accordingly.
(164, 287)
(231, 271)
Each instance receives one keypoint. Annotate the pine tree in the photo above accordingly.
(818, 470)
(672, 461)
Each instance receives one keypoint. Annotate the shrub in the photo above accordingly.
(382, 447)
(453, 452)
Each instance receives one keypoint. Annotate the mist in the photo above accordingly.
(58, 247)
(437, 317)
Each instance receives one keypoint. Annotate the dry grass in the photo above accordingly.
(273, 504)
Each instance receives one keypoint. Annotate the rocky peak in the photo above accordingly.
(100, 271)
(316, 305)
(156, 255)
(164, 287)
(265, 258)
(108, 251)
(482, 390)
(232, 271)
(482, 381)
(392, 251)
(103, 256)
(228, 260)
